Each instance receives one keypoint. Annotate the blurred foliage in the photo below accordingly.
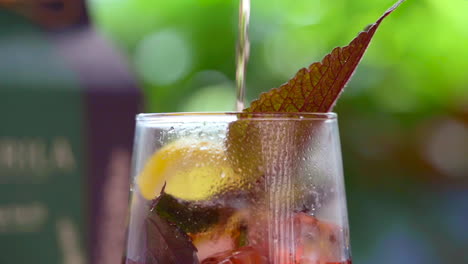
(403, 117)
(419, 55)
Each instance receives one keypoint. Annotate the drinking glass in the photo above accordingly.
(237, 188)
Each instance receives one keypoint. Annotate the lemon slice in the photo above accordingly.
(192, 170)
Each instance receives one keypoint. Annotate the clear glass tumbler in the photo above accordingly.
(237, 188)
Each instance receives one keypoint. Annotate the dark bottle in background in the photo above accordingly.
(67, 108)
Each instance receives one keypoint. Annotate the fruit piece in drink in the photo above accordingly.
(203, 164)
(223, 237)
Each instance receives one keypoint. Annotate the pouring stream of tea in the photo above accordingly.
(243, 47)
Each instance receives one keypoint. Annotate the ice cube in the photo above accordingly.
(244, 255)
(318, 242)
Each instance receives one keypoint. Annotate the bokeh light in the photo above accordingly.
(288, 50)
(212, 91)
(403, 245)
(446, 147)
(163, 57)
(211, 99)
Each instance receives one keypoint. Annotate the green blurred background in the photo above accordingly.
(403, 117)
(183, 51)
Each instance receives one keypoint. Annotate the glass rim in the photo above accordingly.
(324, 116)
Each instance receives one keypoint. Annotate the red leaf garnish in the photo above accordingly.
(166, 242)
(317, 88)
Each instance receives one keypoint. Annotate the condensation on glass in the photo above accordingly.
(276, 179)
